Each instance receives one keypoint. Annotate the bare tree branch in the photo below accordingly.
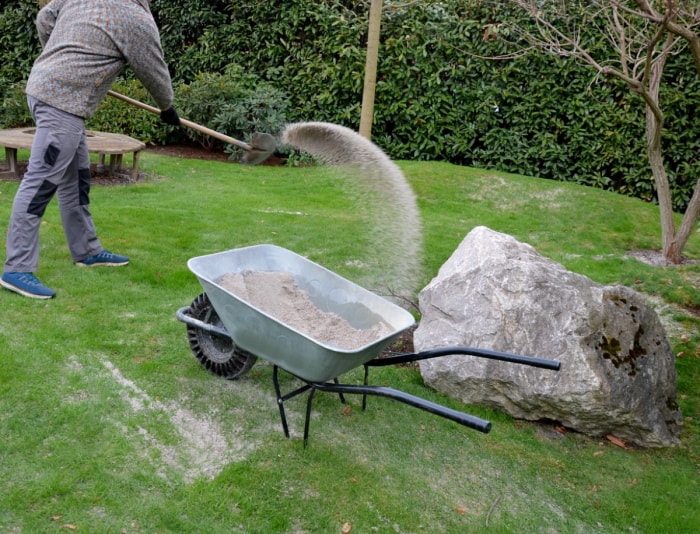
(641, 35)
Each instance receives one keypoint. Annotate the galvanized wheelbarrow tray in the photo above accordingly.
(228, 334)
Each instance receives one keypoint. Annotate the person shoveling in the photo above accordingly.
(86, 45)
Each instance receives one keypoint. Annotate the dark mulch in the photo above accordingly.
(197, 152)
(189, 152)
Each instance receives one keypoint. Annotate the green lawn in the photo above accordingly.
(108, 424)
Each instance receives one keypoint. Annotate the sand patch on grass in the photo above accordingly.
(203, 449)
(174, 438)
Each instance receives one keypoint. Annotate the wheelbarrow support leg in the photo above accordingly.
(308, 415)
(366, 383)
(281, 398)
(280, 401)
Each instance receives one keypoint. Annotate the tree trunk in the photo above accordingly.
(671, 248)
(692, 213)
(663, 191)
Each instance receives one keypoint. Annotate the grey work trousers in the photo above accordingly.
(59, 165)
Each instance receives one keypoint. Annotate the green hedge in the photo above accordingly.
(437, 98)
(19, 44)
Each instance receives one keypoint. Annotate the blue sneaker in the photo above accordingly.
(103, 258)
(26, 284)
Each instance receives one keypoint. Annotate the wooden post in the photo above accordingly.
(367, 114)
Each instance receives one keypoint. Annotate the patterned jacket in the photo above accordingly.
(87, 44)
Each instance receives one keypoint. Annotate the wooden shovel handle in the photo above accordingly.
(185, 122)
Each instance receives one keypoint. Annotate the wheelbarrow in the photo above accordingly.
(227, 334)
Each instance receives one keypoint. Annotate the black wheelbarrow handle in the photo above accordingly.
(182, 315)
(469, 351)
(380, 391)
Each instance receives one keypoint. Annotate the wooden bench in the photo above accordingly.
(116, 145)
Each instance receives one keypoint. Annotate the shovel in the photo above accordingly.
(261, 147)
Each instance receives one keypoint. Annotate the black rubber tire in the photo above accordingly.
(217, 354)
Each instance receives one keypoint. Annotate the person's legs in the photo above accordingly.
(74, 201)
(54, 147)
(73, 195)
(56, 140)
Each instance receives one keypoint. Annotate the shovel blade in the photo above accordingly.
(262, 146)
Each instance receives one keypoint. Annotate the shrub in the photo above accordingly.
(235, 103)
(14, 112)
(19, 43)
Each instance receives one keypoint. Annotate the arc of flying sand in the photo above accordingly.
(397, 236)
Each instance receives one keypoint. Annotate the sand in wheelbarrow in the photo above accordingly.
(277, 294)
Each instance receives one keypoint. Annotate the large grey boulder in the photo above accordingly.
(617, 373)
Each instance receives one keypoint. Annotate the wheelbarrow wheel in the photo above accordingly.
(218, 354)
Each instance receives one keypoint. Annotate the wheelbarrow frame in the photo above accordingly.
(335, 386)
(248, 333)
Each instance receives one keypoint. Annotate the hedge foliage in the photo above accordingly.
(437, 96)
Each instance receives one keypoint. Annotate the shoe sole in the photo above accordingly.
(103, 264)
(19, 291)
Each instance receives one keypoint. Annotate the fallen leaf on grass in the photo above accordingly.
(598, 453)
(69, 526)
(617, 441)
(347, 527)
(461, 510)
(346, 410)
